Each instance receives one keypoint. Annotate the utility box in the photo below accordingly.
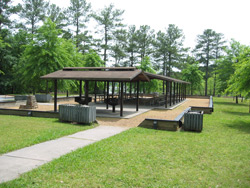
(77, 113)
(193, 121)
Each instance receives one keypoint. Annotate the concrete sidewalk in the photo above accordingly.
(20, 161)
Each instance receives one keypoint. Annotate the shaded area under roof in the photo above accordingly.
(116, 74)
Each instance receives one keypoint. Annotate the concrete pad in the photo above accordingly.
(50, 150)
(12, 167)
(98, 133)
(23, 160)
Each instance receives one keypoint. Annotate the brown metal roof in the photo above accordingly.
(126, 75)
(100, 68)
(165, 78)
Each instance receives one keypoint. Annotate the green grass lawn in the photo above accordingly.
(17, 132)
(217, 157)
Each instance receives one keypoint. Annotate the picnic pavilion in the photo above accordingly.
(175, 90)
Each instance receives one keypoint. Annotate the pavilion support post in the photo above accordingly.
(104, 91)
(87, 92)
(185, 91)
(80, 89)
(179, 92)
(137, 96)
(130, 90)
(174, 94)
(163, 87)
(121, 102)
(47, 90)
(170, 93)
(119, 89)
(182, 92)
(107, 105)
(176, 98)
(125, 90)
(113, 89)
(135, 89)
(182, 89)
(55, 95)
(166, 97)
(95, 90)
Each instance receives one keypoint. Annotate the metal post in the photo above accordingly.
(174, 94)
(107, 105)
(80, 90)
(179, 92)
(55, 95)
(104, 91)
(170, 94)
(185, 91)
(87, 92)
(163, 85)
(47, 87)
(121, 104)
(125, 90)
(137, 97)
(130, 90)
(119, 90)
(113, 89)
(95, 90)
(166, 97)
(176, 98)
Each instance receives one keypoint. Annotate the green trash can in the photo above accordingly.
(193, 121)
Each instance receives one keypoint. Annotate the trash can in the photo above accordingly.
(77, 113)
(193, 121)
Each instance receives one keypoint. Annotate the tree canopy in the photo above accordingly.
(45, 54)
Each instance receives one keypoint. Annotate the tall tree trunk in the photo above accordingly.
(236, 99)
(132, 59)
(77, 33)
(206, 78)
(105, 47)
(169, 64)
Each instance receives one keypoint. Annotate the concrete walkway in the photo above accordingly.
(20, 161)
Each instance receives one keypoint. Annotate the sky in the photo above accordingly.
(230, 17)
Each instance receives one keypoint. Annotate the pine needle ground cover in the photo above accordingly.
(17, 132)
(217, 157)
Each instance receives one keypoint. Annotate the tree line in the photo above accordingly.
(44, 38)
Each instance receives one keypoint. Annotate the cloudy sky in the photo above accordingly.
(230, 17)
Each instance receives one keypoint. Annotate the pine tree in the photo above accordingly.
(79, 13)
(145, 37)
(132, 45)
(110, 20)
(33, 11)
(205, 51)
(169, 49)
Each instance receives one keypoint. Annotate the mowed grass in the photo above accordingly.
(217, 157)
(17, 132)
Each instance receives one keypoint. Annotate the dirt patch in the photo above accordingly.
(156, 114)
(135, 121)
